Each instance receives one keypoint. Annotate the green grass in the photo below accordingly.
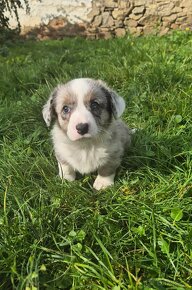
(135, 235)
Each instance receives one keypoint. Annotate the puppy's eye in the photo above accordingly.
(94, 106)
(66, 109)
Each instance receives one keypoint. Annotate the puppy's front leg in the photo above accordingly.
(66, 171)
(102, 182)
(106, 175)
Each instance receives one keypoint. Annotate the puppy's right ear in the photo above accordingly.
(48, 109)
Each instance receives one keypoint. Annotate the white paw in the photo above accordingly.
(66, 173)
(102, 182)
(68, 177)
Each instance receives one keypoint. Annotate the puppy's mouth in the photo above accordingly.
(87, 135)
(78, 137)
(82, 131)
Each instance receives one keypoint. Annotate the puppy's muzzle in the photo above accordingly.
(82, 128)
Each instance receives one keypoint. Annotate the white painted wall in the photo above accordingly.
(42, 11)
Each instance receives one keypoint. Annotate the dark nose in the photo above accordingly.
(82, 128)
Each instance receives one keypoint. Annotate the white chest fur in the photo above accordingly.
(84, 156)
(88, 159)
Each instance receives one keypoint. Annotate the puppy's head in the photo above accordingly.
(83, 108)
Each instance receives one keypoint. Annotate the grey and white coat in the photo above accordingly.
(87, 134)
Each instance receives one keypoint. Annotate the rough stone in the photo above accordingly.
(95, 11)
(109, 9)
(104, 18)
(123, 4)
(171, 18)
(130, 22)
(184, 26)
(164, 31)
(165, 24)
(188, 10)
(139, 31)
(119, 14)
(150, 30)
(120, 32)
(135, 17)
(189, 20)
(105, 33)
(165, 12)
(165, 9)
(177, 9)
(140, 2)
(163, 2)
(151, 10)
(110, 3)
(97, 20)
(118, 23)
(97, 4)
(180, 20)
(177, 3)
(186, 3)
(92, 29)
(149, 20)
(181, 14)
(132, 30)
(107, 20)
(174, 26)
(138, 10)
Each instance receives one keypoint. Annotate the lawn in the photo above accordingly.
(135, 235)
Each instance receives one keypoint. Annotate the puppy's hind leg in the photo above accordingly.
(66, 171)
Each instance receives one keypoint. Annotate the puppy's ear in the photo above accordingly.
(117, 102)
(48, 109)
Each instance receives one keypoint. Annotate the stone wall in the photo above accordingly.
(117, 17)
(104, 18)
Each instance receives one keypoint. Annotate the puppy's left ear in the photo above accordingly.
(117, 102)
(48, 109)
